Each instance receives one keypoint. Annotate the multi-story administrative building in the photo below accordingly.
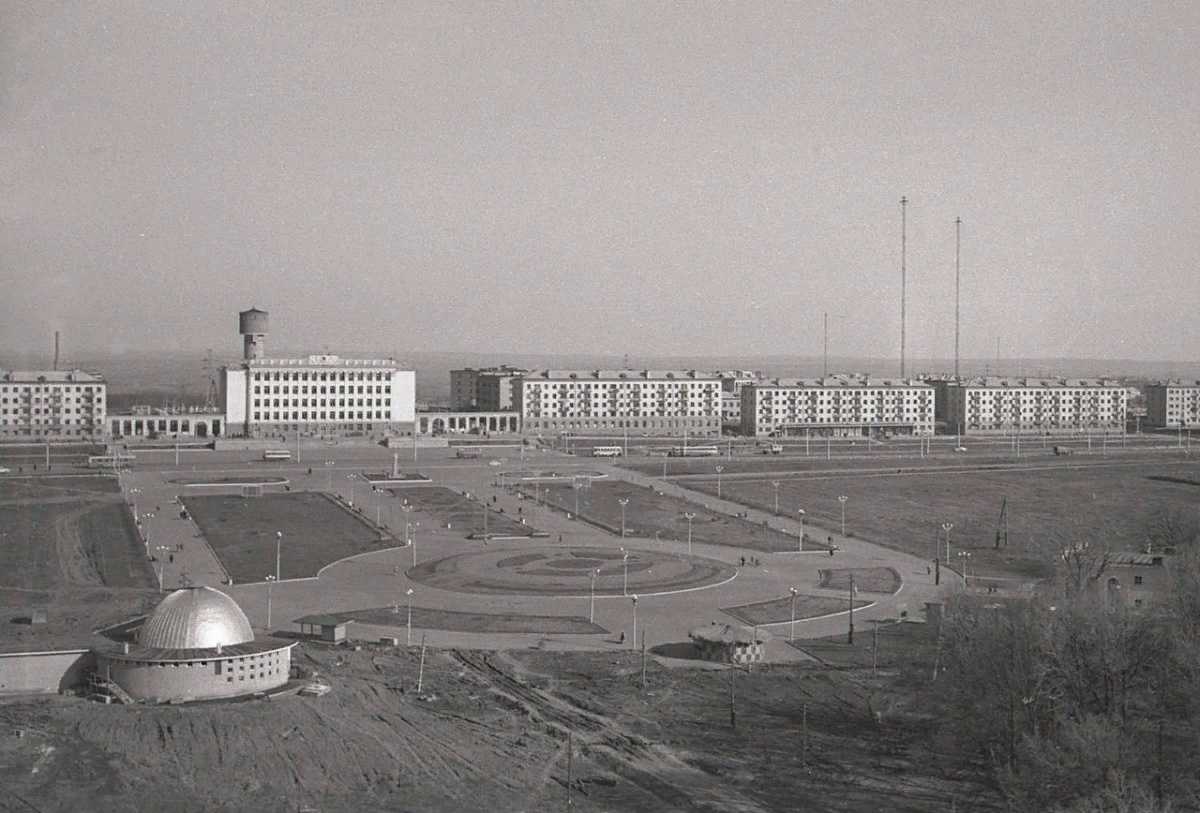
(1037, 405)
(838, 406)
(52, 404)
(649, 402)
(1173, 403)
(324, 395)
(487, 390)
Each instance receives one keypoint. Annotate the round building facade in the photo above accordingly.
(196, 645)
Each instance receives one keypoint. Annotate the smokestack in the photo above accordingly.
(56, 351)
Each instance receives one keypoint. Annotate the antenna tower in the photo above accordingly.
(210, 395)
(957, 244)
(903, 274)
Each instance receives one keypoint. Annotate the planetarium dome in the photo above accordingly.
(196, 618)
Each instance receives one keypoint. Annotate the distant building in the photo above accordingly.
(325, 396)
(1173, 404)
(1041, 405)
(732, 382)
(646, 402)
(144, 422)
(1137, 579)
(837, 406)
(487, 390)
(45, 405)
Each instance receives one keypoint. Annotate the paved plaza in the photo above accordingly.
(573, 569)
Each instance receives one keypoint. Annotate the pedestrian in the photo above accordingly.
(560, 538)
(927, 570)
(743, 561)
(831, 551)
(172, 558)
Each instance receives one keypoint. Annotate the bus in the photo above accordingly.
(277, 454)
(695, 451)
(607, 451)
(110, 461)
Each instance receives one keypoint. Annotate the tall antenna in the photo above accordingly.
(957, 243)
(903, 274)
(56, 351)
(825, 358)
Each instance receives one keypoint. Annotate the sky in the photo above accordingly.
(602, 178)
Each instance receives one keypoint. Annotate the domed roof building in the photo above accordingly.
(196, 645)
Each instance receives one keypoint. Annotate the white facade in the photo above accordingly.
(647, 402)
(1173, 404)
(837, 406)
(318, 395)
(52, 405)
(1034, 405)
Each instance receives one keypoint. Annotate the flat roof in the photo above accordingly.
(51, 377)
(622, 375)
(840, 383)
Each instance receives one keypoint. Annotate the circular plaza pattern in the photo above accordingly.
(568, 571)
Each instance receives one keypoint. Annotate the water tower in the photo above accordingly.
(252, 324)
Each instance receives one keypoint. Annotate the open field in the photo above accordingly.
(63, 532)
(489, 731)
(458, 513)
(651, 514)
(316, 531)
(1048, 508)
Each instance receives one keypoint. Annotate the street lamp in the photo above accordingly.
(577, 487)
(408, 625)
(592, 601)
(624, 502)
(842, 500)
(689, 516)
(634, 642)
(278, 546)
(719, 470)
(946, 526)
(850, 637)
(270, 580)
(162, 552)
(408, 540)
(624, 572)
(350, 477)
(965, 555)
(775, 485)
(792, 637)
(328, 481)
(800, 548)
(485, 528)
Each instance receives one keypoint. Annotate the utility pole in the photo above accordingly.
(850, 637)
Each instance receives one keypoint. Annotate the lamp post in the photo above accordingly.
(634, 641)
(133, 504)
(719, 470)
(775, 485)
(624, 572)
(965, 555)
(328, 476)
(270, 580)
(800, 546)
(408, 540)
(485, 528)
(792, 635)
(850, 637)
(689, 516)
(592, 600)
(624, 502)
(842, 500)
(408, 624)
(946, 526)
(577, 487)
(162, 551)
(278, 548)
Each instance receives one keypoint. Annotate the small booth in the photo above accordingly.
(728, 643)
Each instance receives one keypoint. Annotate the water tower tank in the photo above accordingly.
(252, 324)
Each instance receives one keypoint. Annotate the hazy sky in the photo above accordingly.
(676, 178)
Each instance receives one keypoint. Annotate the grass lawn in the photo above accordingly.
(450, 509)
(67, 532)
(452, 621)
(898, 645)
(316, 532)
(650, 513)
(1048, 508)
(779, 610)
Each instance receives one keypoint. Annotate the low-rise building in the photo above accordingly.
(44, 405)
(838, 406)
(1173, 404)
(1042, 405)
(647, 402)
